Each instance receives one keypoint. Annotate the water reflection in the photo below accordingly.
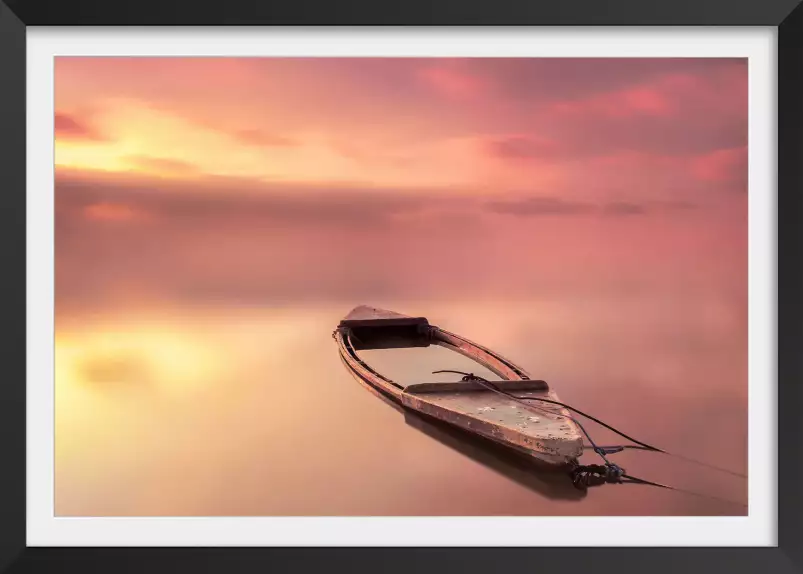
(544, 481)
(525, 471)
(249, 412)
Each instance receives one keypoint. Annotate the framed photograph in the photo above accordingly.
(451, 287)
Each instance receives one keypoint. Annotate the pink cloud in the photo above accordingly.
(645, 100)
(675, 114)
(634, 137)
(521, 147)
(725, 166)
(262, 138)
(648, 100)
(723, 90)
(453, 81)
(70, 127)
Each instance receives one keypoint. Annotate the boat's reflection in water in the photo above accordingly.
(546, 480)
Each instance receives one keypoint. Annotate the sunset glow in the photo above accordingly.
(492, 125)
(216, 217)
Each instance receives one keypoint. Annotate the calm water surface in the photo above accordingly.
(248, 411)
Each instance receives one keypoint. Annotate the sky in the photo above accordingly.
(347, 177)
(467, 125)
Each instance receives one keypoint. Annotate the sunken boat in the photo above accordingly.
(516, 411)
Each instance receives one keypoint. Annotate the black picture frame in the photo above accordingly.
(16, 15)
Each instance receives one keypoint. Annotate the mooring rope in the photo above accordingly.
(584, 476)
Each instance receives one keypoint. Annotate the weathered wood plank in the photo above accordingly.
(543, 430)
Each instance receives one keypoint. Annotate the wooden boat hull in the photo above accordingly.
(541, 430)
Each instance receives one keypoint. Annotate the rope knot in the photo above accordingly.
(613, 473)
(584, 476)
